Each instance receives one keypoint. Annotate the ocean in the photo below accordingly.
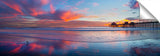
(86, 41)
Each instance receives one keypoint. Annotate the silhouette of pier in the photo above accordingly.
(154, 24)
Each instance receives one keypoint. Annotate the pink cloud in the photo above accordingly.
(136, 5)
(52, 9)
(44, 2)
(80, 2)
(14, 6)
(95, 4)
(125, 5)
(37, 12)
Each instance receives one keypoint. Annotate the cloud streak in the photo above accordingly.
(65, 15)
(35, 9)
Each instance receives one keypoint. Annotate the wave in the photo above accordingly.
(89, 29)
(100, 41)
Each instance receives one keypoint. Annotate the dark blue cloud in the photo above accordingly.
(134, 4)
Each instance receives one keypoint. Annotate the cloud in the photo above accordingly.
(69, 15)
(23, 7)
(65, 15)
(10, 6)
(95, 4)
(6, 17)
(79, 2)
(45, 23)
(35, 12)
(7, 12)
(34, 8)
(52, 9)
(126, 5)
(134, 4)
(85, 10)
(44, 2)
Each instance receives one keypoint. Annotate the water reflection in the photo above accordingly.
(150, 51)
(43, 47)
(78, 43)
(39, 47)
(84, 36)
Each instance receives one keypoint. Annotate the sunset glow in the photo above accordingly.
(68, 10)
(59, 12)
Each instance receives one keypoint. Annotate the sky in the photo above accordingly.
(68, 10)
(65, 13)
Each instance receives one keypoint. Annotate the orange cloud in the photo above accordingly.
(69, 15)
(37, 12)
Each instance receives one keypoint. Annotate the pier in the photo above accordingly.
(154, 24)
